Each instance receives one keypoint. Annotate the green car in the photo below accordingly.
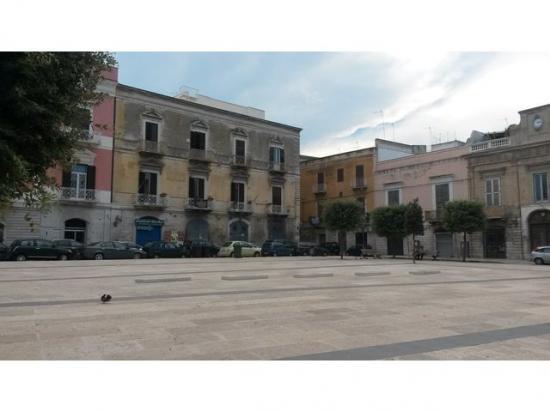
(23, 249)
(111, 250)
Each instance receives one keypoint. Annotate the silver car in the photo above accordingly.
(541, 255)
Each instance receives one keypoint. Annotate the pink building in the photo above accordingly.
(407, 172)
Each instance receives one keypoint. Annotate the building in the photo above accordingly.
(160, 167)
(509, 174)
(403, 173)
(191, 167)
(83, 207)
(325, 179)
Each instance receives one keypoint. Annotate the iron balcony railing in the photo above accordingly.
(277, 166)
(277, 210)
(320, 188)
(359, 183)
(71, 193)
(490, 144)
(239, 160)
(198, 154)
(197, 203)
(240, 207)
(143, 199)
(151, 146)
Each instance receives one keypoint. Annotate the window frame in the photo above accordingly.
(157, 173)
(392, 189)
(543, 187)
(493, 192)
(205, 184)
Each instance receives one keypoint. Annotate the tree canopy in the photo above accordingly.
(42, 100)
(389, 221)
(466, 216)
(343, 216)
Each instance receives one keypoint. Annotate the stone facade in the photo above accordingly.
(517, 161)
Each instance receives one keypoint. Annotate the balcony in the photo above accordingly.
(277, 210)
(359, 184)
(149, 201)
(199, 155)
(240, 207)
(76, 195)
(150, 147)
(276, 167)
(433, 215)
(239, 161)
(198, 205)
(319, 188)
(490, 144)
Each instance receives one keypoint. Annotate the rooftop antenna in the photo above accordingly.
(429, 128)
(506, 122)
(393, 129)
(383, 127)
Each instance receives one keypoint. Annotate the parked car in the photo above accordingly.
(75, 247)
(131, 244)
(200, 248)
(333, 248)
(247, 249)
(306, 248)
(161, 249)
(273, 248)
(3, 251)
(291, 245)
(112, 250)
(541, 255)
(23, 249)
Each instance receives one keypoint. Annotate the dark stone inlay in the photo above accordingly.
(184, 279)
(314, 275)
(425, 272)
(361, 274)
(264, 291)
(429, 345)
(244, 277)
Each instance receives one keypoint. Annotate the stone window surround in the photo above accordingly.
(487, 178)
(437, 180)
(198, 176)
(202, 127)
(390, 187)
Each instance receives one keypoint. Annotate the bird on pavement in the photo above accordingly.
(106, 298)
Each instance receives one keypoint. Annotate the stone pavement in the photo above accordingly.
(274, 308)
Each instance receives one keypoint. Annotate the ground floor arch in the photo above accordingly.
(148, 229)
(539, 228)
(239, 230)
(75, 229)
(197, 229)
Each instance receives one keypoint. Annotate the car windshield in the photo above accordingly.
(227, 244)
(94, 244)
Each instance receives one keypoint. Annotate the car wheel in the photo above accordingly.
(539, 261)
(20, 258)
(98, 256)
(156, 256)
(137, 256)
(257, 254)
(62, 257)
(231, 254)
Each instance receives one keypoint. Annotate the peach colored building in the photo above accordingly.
(403, 173)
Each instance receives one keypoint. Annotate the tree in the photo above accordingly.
(414, 222)
(464, 216)
(389, 221)
(343, 216)
(44, 99)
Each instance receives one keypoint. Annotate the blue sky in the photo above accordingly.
(337, 98)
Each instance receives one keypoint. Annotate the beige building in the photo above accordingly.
(192, 167)
(509, 173)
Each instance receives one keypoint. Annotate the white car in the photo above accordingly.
(541, 255)
(247, 249)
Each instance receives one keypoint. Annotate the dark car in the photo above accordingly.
(131, 244)
(3, 251)
(160, 249)
(23, 249)
(200, 248)
(332, 247)
(292, 246)
(319, 251)
(111, 250)
(274, 248)
(75, 247)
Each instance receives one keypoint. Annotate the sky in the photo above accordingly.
(343, 101)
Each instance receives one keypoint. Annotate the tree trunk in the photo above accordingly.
(341, 242)
(414, 251)
(464, 249)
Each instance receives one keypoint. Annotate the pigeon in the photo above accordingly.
(106, 298)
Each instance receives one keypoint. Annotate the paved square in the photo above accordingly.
(274, 308)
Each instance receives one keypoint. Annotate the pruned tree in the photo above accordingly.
(343, 216)
(389, 221)
(414, 222)
(44, 102)
(466, 216)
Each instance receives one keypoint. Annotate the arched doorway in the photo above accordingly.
(238, 230)
(197, 229)
(539, 228)
(75, 229)
(148, 229)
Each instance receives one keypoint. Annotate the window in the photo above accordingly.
(277, 195)
(240, 148)
(394, 197)
(361, 201)
(359, 176)
(147, 183)
(540, 187)
(320, 178)
(492, 191)
(198, 140)
(276, 155)
(79, 182)
(340, 175)
(442, 195)
(196, 188)
(151, 131)
(237, 193)
(75, 229)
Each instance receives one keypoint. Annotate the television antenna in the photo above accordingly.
(381, 112)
